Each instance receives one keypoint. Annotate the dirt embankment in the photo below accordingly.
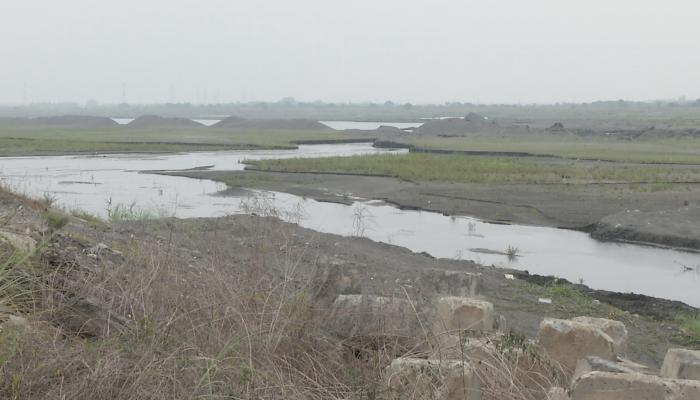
(679, 227)
(234, 122)
(154, 121)
(659, 309)
(473, 124)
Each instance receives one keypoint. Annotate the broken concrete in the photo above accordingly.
(593, 363)
(368, 315)
(681, 364)
(620, 386)
(455, 314)
(520, 364)
(615, 329)
(567, 341)
(455, 283)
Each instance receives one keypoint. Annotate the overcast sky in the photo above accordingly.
(513, 51)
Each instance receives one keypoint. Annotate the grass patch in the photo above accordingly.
(132, 212)
(15, 279)
(675, 150)
(690, 328)
(56, 220)
(17, 141)
(568, 301)
(484, 169)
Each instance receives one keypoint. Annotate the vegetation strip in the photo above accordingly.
(417, 167)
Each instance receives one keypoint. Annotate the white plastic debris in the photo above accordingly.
(510, 277)
(544, 300)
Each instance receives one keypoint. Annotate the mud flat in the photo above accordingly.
(638, 216)
(674, 228)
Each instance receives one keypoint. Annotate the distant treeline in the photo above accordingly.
(387, 111)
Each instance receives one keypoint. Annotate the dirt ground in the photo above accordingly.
(367, 267)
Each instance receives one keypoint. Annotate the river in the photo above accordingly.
(97, 184)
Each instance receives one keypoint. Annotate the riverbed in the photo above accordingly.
(99, 184)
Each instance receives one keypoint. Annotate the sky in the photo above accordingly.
(210, 51)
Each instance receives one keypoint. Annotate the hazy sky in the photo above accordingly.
(353, 50)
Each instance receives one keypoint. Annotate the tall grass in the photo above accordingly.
(132, 212)
(210, 331)
(252, 330)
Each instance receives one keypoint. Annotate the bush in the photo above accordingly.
(56, 220)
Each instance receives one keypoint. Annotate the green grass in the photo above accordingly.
(56, 220)
(682, 151)
(15, 280)
(572, 302)
(130, 212)
(484, 169)
(13, 147)
(17, 141)
(690, 326)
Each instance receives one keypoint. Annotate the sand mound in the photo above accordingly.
(154, 121)
(234, 122)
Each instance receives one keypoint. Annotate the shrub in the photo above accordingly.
(56, 220)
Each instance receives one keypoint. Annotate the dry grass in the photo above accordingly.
(192, 332)
(156, 325)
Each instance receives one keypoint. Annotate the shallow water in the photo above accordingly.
(122, 121)
(362, 125)
(338, 125)
(96, 183)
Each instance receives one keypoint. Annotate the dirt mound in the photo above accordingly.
(471, 124)
(390, 129)
(234, 122)
(474, 117)
(154, 121)
(72, 121)
(556, 127)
